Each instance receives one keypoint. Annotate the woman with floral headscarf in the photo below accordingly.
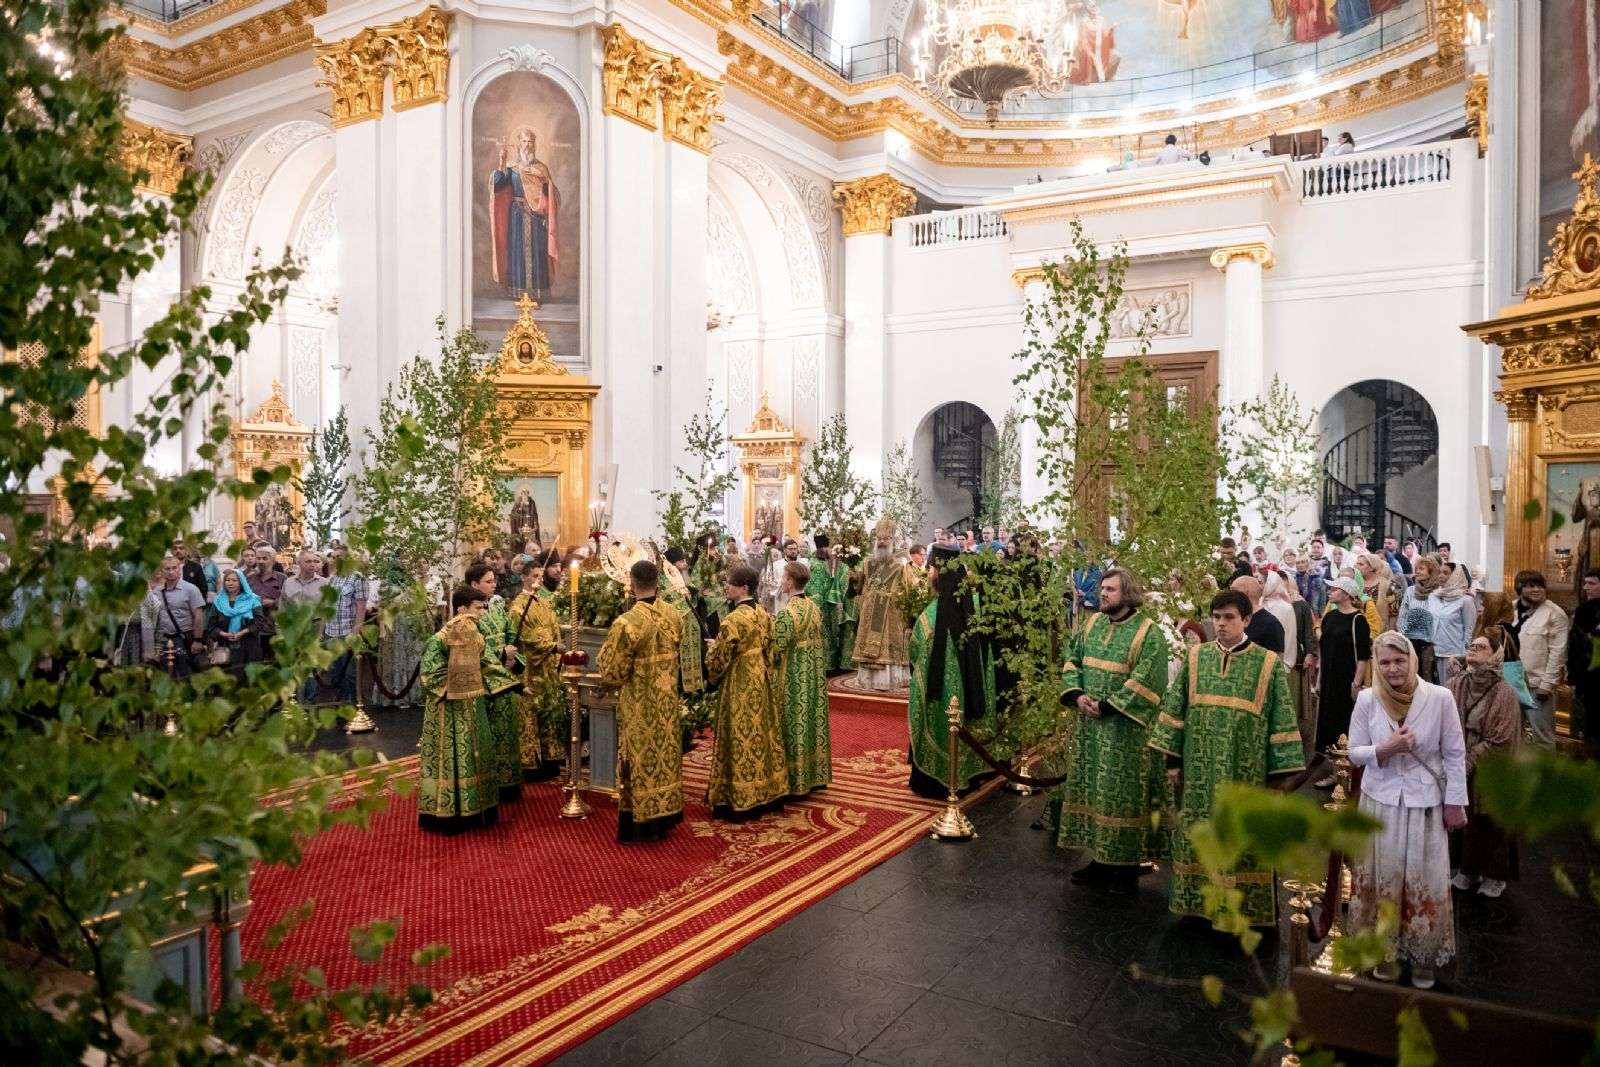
(1406, 736)
(233, 621)
(1455, 615)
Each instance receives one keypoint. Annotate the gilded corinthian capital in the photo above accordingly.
(689, 102)
(420, 64)
(632, 76)
(871, 204)
(353, 69)
(163, 156)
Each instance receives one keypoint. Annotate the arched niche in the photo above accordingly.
(1379, 457)
(949, 449)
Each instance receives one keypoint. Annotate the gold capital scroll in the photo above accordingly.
(871, 204)
(1478, 110)
(1521, 404)
(631, 76)
(353, 70)
(163, 155)
(419, 57)
(689, 103)
(1255, 251)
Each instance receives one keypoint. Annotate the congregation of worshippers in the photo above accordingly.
(1392, 658)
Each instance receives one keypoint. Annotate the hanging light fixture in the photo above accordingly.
(995, 49)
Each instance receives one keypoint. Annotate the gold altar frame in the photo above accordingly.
(271, 437)
(552, 416)
(769, 445)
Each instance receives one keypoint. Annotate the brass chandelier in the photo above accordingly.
(994, 49)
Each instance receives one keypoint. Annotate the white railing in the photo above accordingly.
(1372, 172)
(954, 227)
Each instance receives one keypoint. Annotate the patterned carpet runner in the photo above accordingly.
(556, 931)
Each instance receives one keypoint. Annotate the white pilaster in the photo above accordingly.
(866, 355)
(366, 343)
(420, 240)
(631, 289)
(684, 339)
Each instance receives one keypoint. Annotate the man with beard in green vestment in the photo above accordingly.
(800, 684)
(502, 683)
(947, 660)
(1111, 687)
(1227, 717)
(641, 655)
(453, 791)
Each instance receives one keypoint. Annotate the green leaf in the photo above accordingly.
(1416, 1043)
(1531, 510)
(1211, 987)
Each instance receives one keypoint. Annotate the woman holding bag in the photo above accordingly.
(1491, 721)
(233, 623)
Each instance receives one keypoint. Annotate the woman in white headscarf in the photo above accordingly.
(1406, 736)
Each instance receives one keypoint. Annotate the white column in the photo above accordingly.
(1243, 356)
(420, 240)
(1033, 487)
(366, 330)
(684, 339)
(866, 351)
(630, 291)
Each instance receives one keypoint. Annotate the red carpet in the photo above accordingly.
(556, 931)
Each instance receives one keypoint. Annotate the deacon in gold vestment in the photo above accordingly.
(641, 656)
(882, 658)
(748, 765)
(536, 632)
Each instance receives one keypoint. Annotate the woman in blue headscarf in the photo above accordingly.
(233, 623)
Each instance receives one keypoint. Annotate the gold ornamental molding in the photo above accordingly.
(1478, 110)
(871, 204)
(770, 457)
(414, 52)
(271, 437)
(646, 85)
(631, 76)
(526, 348)
(1255, 251)
(822, 102)
(1022, 277)
(254, 42)
(163, 155)
(690, 103)
(1550, 385)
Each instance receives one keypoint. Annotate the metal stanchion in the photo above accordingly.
(572, 664)
(360, 723)
(952, 823)
(171, 727)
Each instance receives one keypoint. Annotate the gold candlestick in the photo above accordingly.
(359, 723)
(1340, 751)
(571, 671)
(952, 823)
(1024, 767)
(1300, 921)
(171, 727)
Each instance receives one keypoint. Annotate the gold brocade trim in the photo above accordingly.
(1167, 720)
(1213, 700)
(163, 155)
(1285, 737)
(1125, 823)
(1142, 690)
(871, 204)
(254, 42)
(1226, 880)
(1109, 665)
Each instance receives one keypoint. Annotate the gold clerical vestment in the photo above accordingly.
(533, 627)
(641, 656)
(880, 627)
(748, 766)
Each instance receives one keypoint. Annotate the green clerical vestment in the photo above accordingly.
(505, 717)
(455, 745)
(928, 704)
(641, 656)
(1230, 717)
(542, 709)
(1115, 782)
(827, 589)
(747, 763)
(691, 647)
(800, 691)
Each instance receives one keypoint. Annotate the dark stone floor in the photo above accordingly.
(983, 953)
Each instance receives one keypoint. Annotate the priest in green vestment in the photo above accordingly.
(542, 706)
(1111, 687)
(800, 684)
(641, 655)
(502, 685)
(675, 591)
(747, 763)
(453, 791)
(1228, 716)
(947, 660)
(827, 588)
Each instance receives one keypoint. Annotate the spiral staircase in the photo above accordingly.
(1357, 470)
(958, 449)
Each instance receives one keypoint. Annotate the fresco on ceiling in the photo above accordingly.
(1123, 39)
